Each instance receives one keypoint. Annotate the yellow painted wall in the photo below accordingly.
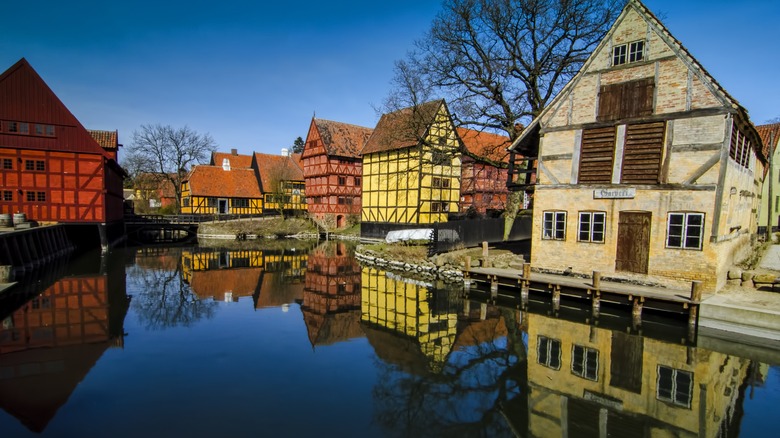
(294, 198)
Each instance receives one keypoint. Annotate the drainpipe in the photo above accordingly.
(770, 212)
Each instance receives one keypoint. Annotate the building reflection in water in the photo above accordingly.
(272, 276)
(331, 295)
(50, 344)
(452, 364)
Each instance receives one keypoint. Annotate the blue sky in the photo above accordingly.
(252, 74)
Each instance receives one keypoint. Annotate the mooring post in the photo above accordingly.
(596, 280)
(525, 285)
(696, 288)
(493, 287)
(556, 297)
(482, 311)
(696, 291)
(485, 262)
(636, 313)
(596, 303)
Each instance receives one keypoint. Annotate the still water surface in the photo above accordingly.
(293, 340)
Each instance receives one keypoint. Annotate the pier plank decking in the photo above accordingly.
(593, 290)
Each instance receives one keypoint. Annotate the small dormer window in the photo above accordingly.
(225, 164)
(627, 53)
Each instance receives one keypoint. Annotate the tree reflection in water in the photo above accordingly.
(479, 390)
(161, 298)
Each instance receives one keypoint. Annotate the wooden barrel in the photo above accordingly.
(19, 218)
(5, 220)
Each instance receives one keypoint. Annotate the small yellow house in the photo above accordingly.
(281, 182)
(221, 190)
(411, 168)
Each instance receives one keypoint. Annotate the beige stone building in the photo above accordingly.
(647, 168)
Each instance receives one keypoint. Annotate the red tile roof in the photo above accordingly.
(213, 181)
(770, 136)
(342, 139)
(277, 167)
(403, 128)
(108, 140)
(485, 145)
(237, 161)
(214, 283)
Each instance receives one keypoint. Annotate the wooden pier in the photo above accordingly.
(28, 249)
(591, 290)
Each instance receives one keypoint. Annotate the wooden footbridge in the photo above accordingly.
(591, 290)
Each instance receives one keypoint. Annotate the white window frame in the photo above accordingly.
(554, 225)
(544, 345)
(627, 53)
(592, 218)
(584, 371)
(675, 390)
(686, 230)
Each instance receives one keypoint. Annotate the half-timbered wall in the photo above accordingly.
(53, 186)
(291, 198)
(652, 137)
(483, 186)
(419, 184)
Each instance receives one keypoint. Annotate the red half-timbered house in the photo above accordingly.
(332, 169)
(484, 171)
(51, 168)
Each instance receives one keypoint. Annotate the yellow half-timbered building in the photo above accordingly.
(281, 182)
(221, 190)
(412, 167)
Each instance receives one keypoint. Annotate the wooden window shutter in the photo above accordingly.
(597, 155)
(642, 153)
(626, 100)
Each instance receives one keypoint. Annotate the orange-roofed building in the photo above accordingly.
(484, 172)
(769, 212)
(221, 190)
(108, 140)
(281, 182)
(332, 169)
(232, 158)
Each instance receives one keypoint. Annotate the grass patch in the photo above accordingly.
(260, 227)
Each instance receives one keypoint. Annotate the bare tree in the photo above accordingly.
(498, 62)
(168, 152)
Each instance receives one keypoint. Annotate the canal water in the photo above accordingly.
(294, 339)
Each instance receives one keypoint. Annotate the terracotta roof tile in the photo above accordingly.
(403, 128)
(273, 167)
(342, 139)
(485, 145)
(770, 136)
(214, 283)
(214, 181)
(108, 140)
(237, 161)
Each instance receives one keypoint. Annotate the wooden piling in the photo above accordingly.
(556, 297)
(485, 260)
(596, 280)
(596, 305)
(696, 288)
(467, 264)
(636, 312)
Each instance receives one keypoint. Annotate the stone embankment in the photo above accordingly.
(751, 279)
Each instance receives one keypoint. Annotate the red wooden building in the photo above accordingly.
(51, 168)
(484, 170)
(332, 170)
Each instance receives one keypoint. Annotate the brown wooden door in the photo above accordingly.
(633, 242)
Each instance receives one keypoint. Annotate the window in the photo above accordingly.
(8, 164)
(585, 362)
(440, 183)
(240, 203)
(591, 226)
(8, 195)
(13, 127)
(34, 165)
(357, 180)
(41, 196)
(674, 386)
(554, 225)
(49, 130)
(631, 52)
(440, 207)
(24, 128)
(185, 202)
(211, 202)
(685, 230)
(39, 129)
(548, 352)
(342, 180)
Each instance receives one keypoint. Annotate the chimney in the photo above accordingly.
(225, 164)
(285, 152)
(234, 151)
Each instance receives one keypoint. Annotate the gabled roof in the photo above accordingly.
(277, 167)
(108, 140)
(214, 181)
(770, 136)
(698, 70)
(237, 161)
(25, 97)
(342, 139)
(480, 144)
(403, 128)
(213, 283)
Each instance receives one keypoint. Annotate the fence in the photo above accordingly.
(448, 236)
